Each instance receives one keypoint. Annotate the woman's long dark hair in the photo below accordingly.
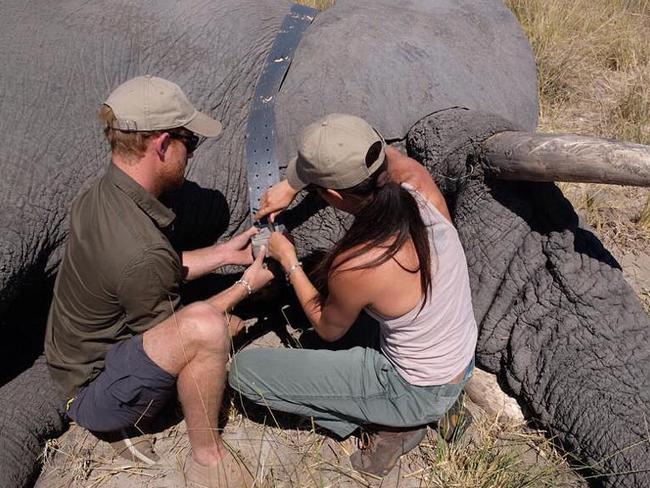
(389, 216)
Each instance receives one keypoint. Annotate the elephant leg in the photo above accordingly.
(32, 412)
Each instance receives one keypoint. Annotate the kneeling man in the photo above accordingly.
(117, 342)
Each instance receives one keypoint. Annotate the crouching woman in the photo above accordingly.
(401, 262)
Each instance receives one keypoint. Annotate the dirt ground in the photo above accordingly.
(290, 452)
(279, 452)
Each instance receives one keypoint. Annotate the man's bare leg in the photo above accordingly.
(200, 388)
(193, 344)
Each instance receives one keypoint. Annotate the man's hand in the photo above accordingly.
(239, 249)
(256, 276)
(276, 199)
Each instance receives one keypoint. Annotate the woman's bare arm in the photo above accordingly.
(332, 319)
(348, 293)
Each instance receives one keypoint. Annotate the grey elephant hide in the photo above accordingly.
(392, 65)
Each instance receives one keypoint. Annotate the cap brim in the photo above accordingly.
(205, 126)
(292, 175)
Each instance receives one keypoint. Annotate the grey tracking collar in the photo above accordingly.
(263, 171)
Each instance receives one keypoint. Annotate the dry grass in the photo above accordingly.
(593, 59)
(79, 460)
(490, 455)
(319, 4)
(495, 456)
(644, 216)
(630, 116)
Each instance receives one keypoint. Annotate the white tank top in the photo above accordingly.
(433, 345)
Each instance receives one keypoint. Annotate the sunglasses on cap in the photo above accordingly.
(189, 139)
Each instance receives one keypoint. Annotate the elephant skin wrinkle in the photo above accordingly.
(558, 323)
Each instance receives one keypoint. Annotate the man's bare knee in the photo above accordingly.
(193, 330)
(205, 326)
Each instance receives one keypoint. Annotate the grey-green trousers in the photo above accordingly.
(340, 389)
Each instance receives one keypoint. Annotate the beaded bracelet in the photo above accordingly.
(292, 269)
(245, 284)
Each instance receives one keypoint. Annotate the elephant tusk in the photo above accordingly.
(514, 155)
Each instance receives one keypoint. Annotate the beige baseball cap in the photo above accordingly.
(148, 103)
(332, 153)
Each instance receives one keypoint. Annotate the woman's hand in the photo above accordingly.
(276, 199)
(257, 275)
(281, 249)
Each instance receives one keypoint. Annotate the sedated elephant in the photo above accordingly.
(453, 79)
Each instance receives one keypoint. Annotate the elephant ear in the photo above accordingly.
(393, 63)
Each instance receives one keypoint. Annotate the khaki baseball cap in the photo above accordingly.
(148, 103)
(332, 153)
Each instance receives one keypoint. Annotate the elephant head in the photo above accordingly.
(455, 80)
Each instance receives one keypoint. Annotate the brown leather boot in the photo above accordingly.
(380, 449)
